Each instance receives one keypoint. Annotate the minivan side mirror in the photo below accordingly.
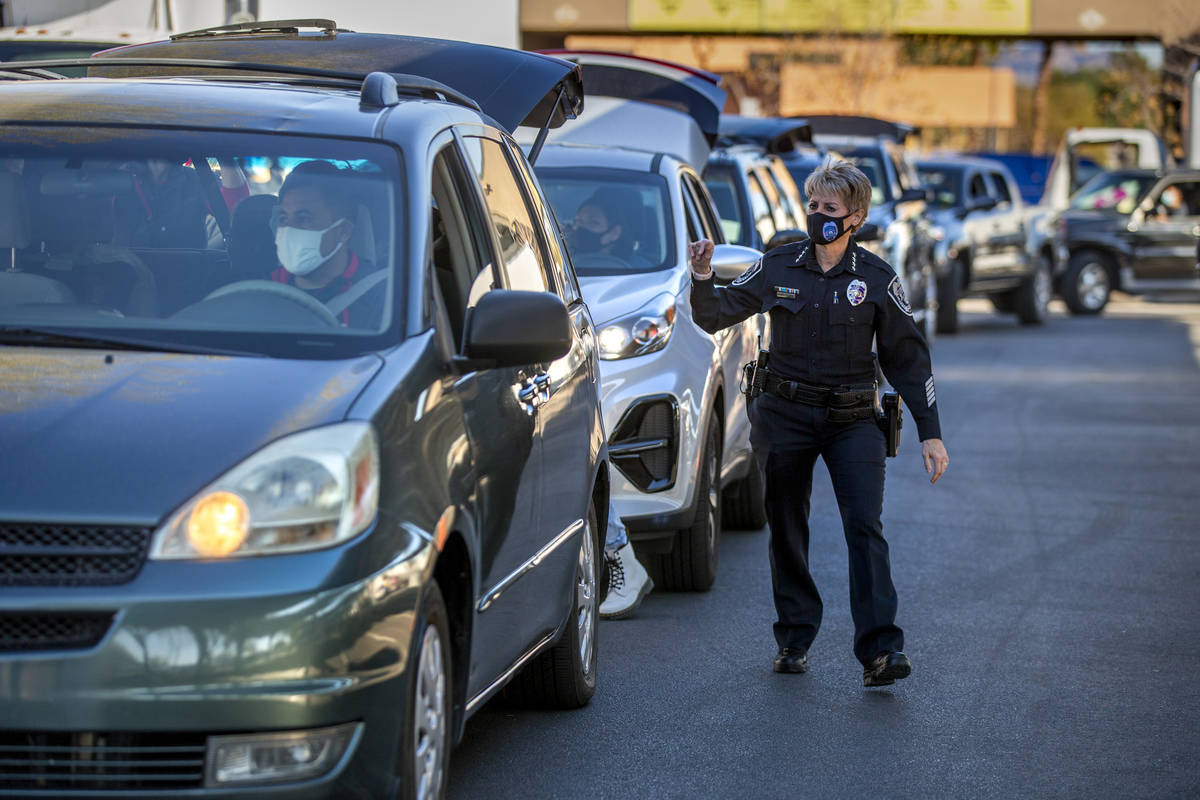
(731, 260)
(978, 204)
(914, 194)
(509, 328)
(868, 233)
(786, 236)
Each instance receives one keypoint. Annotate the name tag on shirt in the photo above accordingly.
(787, 293)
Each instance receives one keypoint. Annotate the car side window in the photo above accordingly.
(1176, 202)
(1001, 188)
(710, 223)
(760, 210)
(695, 230)
(458, 249)
(786, 188)
(523, 261)
(563, 271)
(977, 189)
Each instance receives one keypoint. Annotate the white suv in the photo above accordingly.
(676, 420)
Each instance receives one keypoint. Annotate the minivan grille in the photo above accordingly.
(37, 630)
(645, 443)
(118, 762)
(70, 555)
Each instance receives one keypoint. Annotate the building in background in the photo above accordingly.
(484, 21)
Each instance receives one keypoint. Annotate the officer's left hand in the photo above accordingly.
(936, 458)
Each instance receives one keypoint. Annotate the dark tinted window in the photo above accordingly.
(1000, 186)
(722, 186)
(613, 220)
(459, 255)
(522, 258)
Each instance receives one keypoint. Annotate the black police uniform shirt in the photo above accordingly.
(823, 323)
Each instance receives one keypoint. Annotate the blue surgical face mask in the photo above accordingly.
(299, 250)
(824, 229)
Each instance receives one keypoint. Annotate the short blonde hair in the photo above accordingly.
(845, 181)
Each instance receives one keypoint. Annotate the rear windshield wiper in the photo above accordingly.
(48, 337)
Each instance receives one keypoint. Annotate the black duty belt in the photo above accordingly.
(841, 402)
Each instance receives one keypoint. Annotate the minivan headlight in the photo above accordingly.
(644, 331)
(306, 491)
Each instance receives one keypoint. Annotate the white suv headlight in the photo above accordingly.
(644, 331)
(307, 491)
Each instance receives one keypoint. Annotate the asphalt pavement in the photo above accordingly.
(1049, 590)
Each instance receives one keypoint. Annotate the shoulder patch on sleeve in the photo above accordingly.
(749, 274)
(896, 292)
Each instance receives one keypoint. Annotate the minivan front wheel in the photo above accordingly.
(426, 751)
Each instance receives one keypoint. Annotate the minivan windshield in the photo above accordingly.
(199, 242)
(1118, 192)
(615, 221)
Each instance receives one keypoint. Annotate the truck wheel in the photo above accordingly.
(744, 506)
(948, 290)
(1087, 283)
(691, 566)
(565, 675)
(1031, 300)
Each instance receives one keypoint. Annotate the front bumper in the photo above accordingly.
(202, 649)
(676, 375)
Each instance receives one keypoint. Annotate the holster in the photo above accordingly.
(754, 375)
(890, 420)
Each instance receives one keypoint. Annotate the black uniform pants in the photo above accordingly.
(787, 438)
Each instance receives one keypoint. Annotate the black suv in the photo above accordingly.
(1136, 230)
(303, 455)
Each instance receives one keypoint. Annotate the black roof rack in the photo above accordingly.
(376, 89)
(289, 26)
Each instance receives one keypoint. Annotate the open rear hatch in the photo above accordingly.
(772, 134)
(513, 87)
(693, 97)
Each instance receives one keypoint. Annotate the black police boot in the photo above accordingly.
(791, 659)
(886, 668)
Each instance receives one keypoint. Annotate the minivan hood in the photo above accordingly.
(126, 442)
(612, 296)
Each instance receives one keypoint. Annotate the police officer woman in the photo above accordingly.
(827, 299)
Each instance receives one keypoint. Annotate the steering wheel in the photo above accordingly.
(297, 296)
(600, 260)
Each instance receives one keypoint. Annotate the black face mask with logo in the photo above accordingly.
(824, 229)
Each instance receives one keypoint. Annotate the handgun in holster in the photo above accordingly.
(890, 420)
(754, 374)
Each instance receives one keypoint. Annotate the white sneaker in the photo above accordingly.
(628, 584)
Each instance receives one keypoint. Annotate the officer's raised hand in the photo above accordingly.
(700, 258)
(936, 458)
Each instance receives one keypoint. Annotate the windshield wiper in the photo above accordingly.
(48, 337)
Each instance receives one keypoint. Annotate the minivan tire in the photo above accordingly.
(430, 687)
(691, 566)
(564, 676)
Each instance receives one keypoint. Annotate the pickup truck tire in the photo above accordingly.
(691, 566)
(744, 507)
(1087, 284)
(1031, 300)
(948, 289)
